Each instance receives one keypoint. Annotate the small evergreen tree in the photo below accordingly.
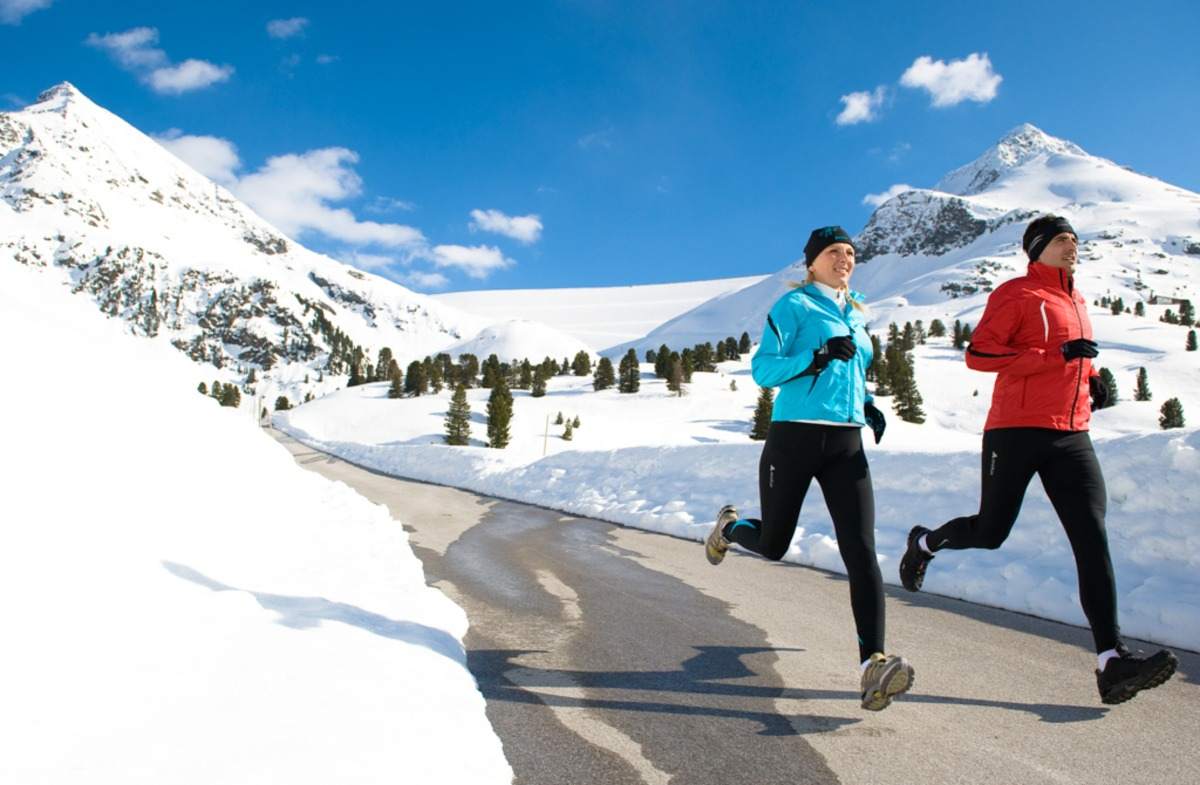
(721, 352)
(1169, 317)
(568, 432)
(630, 379)
(458, 418)
(1110, 382)
(231, 396)
(1187, 314)
(662, 362)
(966, 333)
(872, 372)
(525, 376)
(733, 385)
(919, 329)
(1142, 391)
(202, 388)
(215, 390)
(415, 381)
(1117, 307)
(604, 376)
(1171, 414)
(582, 365)
(575, 422)
(762, 414)
(937, 329)
(499, 416)
(539, 384)
(1191, 341)
(559, 419)
(650, 355)
(282, 404)
(491, 371)
(908, 341)
(908, 399)
(675, 378)
(958, 335)
(565, 368)
(396, 388)
(744, 343)
(1139, 308)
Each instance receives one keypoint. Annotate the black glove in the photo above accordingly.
(1080, 347)
(1099, 392)
(875, 420)
(839, 347)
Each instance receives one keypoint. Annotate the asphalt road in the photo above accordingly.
(612, 655)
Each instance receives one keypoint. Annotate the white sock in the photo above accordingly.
(924, 545)
(1104, 656)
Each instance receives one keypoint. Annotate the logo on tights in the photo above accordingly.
(771, 478)
(992, 470)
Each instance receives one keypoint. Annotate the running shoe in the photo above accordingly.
(914, 561)
(1127, 674)
(884, 679)
(716, 545)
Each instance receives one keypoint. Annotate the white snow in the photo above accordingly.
(519, 339)
(185, 604)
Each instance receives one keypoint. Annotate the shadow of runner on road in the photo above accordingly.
(500, 677)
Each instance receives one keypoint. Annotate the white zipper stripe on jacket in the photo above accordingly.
(1045, 323)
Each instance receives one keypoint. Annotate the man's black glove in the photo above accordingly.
(876, 420)
(840, 347)
(1099, 392)
(1080, 347)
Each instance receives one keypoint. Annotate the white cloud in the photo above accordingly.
(211, 156)
(368, 261)
(286, 28)
(13, 11)
(861, 107)
(386, 204)
(601, 139)
(418, 279)
(326, 59)
(971, 79)
(477, 261)
(135, 50)
(877, 199)
(295, 193)
(523, 228)
(188, 75)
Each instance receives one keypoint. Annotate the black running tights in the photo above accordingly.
(795, 454)
(1071, 475)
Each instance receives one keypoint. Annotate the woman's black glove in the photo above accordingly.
(876, 420)
(839, 347)
(1080, 347)
(1099, 392)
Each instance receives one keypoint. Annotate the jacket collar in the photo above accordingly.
(1051, 276)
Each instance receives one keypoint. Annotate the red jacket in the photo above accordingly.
(1019, 337)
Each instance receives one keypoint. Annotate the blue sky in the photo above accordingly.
(547, 144)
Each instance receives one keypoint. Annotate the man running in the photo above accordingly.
(1035, 335)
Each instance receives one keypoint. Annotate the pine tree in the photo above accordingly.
(650, 355)
(1139, 308)
(908, 341)
(733, 385)
(958, 334)
(762, 414)
(525, 376)
(491, 371)
(575, 422)
(468, 369)
(919, 329)
(721, 352)
(582, 365)
(1187, 314)
(559, 419)
(499, 416)
(215, 390)
(1169, 317)
(568, 432)
(688, 363)
(433, 374)
(396, 389)
(662, 362)
(731, 349)
(1191, 341)
(1110, 383)
(1171, 414)
(966, 333)
(458, 418)
(282, 404)
(1142, 391)
(253, 376)
(231, 396)
(202, 388)
(675, 378)
(415, 381)
(565, 368)
(872, 372)
(744, 345)
(937, 329)
(1117, 307)
(604, 376)
(630, 379)
(539, 384)
(908, 399)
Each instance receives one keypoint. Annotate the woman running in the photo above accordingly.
(815, 348)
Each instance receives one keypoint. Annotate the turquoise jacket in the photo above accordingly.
(799, 324)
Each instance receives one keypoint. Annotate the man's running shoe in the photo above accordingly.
(914, 561)
(716, 545)
(1126, 675)
(884, 679)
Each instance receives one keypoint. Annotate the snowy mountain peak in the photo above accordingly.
(1019, 146)
(58, 98)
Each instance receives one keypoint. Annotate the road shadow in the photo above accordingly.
(712, 673)
(302, 613)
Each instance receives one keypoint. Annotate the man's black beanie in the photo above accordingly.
(1041, 231)
(822, 238)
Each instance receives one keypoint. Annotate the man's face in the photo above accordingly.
(1061, 252)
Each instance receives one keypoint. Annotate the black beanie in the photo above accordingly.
(1041, 231)
(822, 238)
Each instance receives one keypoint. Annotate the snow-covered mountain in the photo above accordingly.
(86, 196)
(936, 253)
(521, 339)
